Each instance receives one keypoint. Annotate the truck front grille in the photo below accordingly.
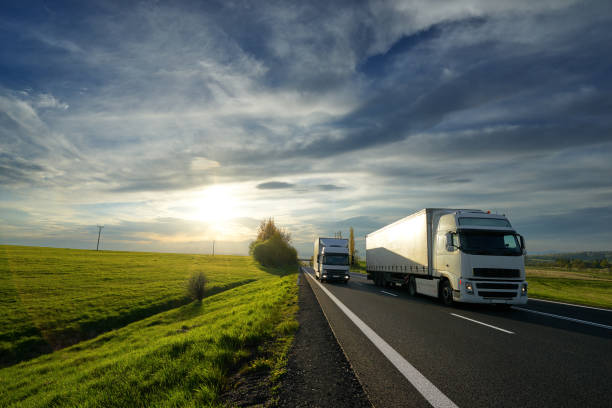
(488, 294)
(497, 273)
(490, 285)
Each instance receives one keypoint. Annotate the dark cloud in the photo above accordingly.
(329, 187)
(580, 223)
(275, 185)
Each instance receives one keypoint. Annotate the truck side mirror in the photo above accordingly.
(523, 247)
(318, 258)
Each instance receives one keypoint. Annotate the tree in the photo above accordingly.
(271, 247)
(267, 228)
(352, 247)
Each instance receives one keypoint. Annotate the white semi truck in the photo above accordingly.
(457, 255)
(331, 259)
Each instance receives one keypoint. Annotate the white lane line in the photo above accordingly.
(571, 319)
(431, 393)
(484, 324)
(387, 293)
(573, 304)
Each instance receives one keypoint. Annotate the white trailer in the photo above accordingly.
(458, 255)
(330, 261)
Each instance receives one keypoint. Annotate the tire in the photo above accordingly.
(446, 293)
(412, 286)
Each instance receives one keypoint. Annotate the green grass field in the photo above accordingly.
(587, 287)
(158, 348)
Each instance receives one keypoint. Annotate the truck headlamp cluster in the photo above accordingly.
(469, 288)
(346, 276)
(524, 289)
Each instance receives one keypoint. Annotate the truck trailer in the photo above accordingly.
(331, 259)
(457, 255)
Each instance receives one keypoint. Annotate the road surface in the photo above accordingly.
(416, 352)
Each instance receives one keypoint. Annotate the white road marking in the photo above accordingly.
(431, 393)
(484, 324)
(573, 304)
(387, 293)
(571, 319)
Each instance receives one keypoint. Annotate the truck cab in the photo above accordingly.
(482, 258)
(331, 260)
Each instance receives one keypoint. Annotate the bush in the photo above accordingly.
(274, 251)
(196, 286)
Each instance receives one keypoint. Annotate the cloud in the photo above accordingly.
(480, 104)
(49, 101)
(274, 185)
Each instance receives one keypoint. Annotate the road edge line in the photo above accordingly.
(425, 387)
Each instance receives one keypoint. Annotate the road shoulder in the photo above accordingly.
(318, 373)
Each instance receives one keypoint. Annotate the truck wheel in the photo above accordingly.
(446, 293)
(379, 279)
(412, 286)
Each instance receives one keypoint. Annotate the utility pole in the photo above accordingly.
(213, 248)
(99, 232)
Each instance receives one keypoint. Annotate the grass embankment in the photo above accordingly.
(181, 357)
(583, 287)
(51, 298)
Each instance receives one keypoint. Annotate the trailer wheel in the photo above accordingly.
(412, 286)
(446, 293)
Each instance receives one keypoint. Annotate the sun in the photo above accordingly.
(215, 205)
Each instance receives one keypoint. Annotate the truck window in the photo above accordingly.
(335, 259)
(489, 243)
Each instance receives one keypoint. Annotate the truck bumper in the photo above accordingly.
(492, 292)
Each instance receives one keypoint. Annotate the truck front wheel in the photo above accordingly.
(446, 293)
(412, 286)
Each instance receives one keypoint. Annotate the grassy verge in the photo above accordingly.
(587, 287)
(181, 357)
(360, 267)
(51, 298)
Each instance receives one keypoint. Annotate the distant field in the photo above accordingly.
(588, 287)
(180, 357)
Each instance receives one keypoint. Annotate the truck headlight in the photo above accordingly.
(524, 289)
(469, 288)
(346, 276)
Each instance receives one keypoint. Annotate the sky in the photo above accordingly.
(176, 124)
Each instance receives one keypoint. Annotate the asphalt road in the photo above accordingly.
(538, 355)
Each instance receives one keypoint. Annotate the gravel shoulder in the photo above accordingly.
(318, 373)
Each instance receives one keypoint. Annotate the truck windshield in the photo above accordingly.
(335, 259)
(490, 243)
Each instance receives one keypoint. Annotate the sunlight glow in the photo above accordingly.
(215, 205)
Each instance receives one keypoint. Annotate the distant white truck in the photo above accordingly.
(457, 255)
(331, 259)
